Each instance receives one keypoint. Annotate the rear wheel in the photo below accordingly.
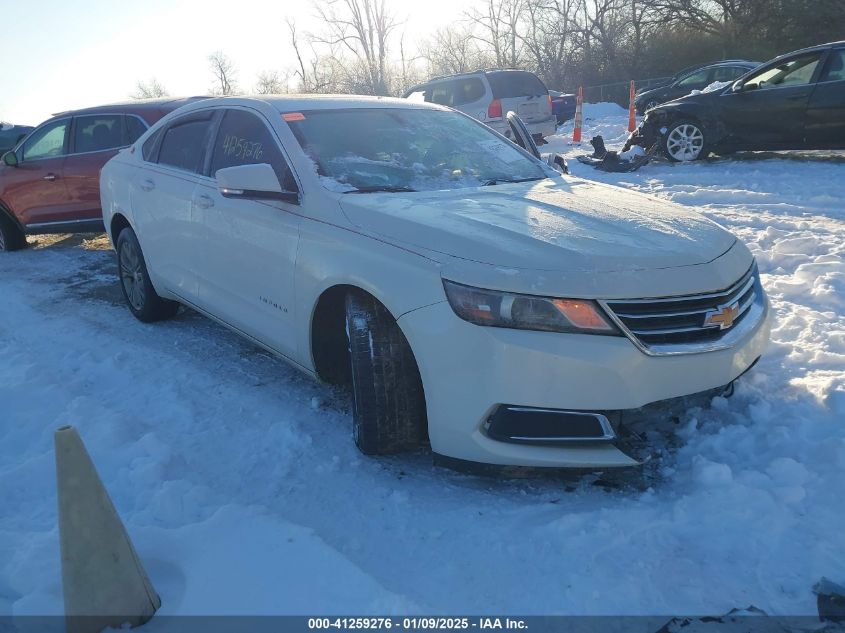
(685, 141)
(11, 237)
(389, 404)
(141, 297)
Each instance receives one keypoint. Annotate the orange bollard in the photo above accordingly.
(632, 109)
(576, 133)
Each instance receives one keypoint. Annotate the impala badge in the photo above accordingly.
(722, 317)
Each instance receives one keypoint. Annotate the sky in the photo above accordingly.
(66, 55)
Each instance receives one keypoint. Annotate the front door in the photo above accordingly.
(825, 127)
(769, 110)
(35, 189)
(247, 248)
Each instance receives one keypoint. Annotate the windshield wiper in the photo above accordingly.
(378, 188)
(502, 181)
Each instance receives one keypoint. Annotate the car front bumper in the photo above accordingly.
(469, 372)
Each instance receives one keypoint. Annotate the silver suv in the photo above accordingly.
(488, 95)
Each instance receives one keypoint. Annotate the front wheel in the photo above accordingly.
(685, 142)
(141, 297)
(389, 404)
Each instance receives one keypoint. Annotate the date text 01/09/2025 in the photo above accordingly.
(420, 623)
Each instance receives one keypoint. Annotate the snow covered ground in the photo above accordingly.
(244, 493)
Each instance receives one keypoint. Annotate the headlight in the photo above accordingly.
(527, 312)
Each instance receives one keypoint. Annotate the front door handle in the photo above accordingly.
(50, 177)
(204, 202)
(147, 185)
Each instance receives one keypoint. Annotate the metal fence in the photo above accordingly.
(618, 92)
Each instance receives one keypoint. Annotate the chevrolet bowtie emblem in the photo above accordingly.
(722, 317)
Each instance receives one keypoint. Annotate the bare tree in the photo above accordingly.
(454, 49)
(362, 28)
(271, 83)
(149, 89)
(499, 22)
(224, 74)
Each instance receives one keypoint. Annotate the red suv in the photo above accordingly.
(50, 182)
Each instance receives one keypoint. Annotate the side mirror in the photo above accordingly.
(10, 159)
(253, 182)
(737, 86)
(521, 135)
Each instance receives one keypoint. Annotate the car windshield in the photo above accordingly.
(406, 149)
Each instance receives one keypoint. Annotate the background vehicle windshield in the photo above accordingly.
(407, 149)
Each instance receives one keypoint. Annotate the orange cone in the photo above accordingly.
(632, 109)
(576, 133)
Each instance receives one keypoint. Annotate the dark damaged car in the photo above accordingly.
(794, 102)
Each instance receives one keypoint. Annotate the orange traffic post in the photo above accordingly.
(632, 109)
(576, 133)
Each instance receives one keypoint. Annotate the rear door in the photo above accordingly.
(95, 138)
(35, 189)
(825, 123)
(162, 195)
(469, 95)
(769, 111)
(247, 248)
(521, 92)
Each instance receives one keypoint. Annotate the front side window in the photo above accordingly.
(97, 133)
(184, 144)
(794, 72)
(47, 142)
(244, 139)
(407, 149)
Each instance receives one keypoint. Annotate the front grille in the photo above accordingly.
(672, 324)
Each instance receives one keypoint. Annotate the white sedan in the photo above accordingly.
(471, 297)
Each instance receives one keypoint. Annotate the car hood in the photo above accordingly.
(551, 225)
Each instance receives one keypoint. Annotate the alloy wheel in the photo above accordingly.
(132, 275)
(685, 142)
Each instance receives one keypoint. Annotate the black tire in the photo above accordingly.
(11, 237)
(677, 132)
(141, 297)
(389, 403)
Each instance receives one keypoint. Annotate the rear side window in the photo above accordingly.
(695, 80)
(134, 129)
(97, 133)
(515, 83)
(728, 73)
(467, 90)
(244, 139)
(184, 144)
(834, 70)
(441, 93)
(47, 142)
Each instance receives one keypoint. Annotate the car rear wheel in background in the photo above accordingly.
(135, 282)
(684, 141)
(11, 237)
(388, 399)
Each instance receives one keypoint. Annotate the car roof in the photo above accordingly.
(160, 104)
(300, 102)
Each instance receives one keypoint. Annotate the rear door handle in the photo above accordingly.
(50, 177)
(204, 202)
(147, 185)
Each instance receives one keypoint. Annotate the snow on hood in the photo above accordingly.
(551, 225)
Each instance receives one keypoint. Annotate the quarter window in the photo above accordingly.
(835, 68)
(98, 133)
(244, 139)
(46, 142)
(134, 129)
(184, 144)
